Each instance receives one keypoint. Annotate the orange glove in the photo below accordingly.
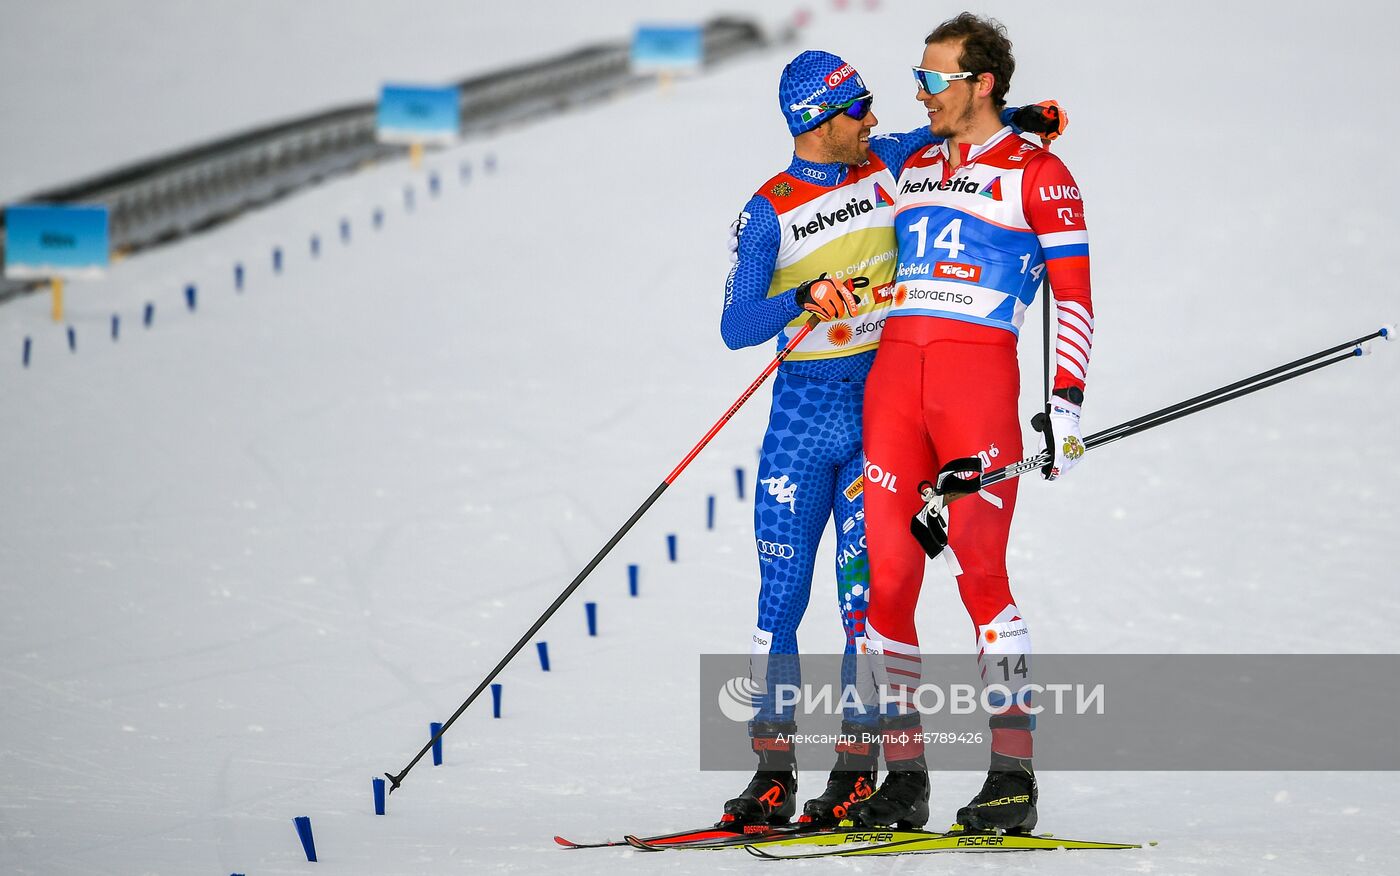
(1045, 119)
(829, 299)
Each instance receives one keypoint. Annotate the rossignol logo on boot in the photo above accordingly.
(852, 209)
(785, 493)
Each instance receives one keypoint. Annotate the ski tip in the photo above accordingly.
(565, 843)
(757, 852)
(1387, 331)
(638, 844)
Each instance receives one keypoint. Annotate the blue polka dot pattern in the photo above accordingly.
(811, 458)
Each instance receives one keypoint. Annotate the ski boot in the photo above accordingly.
(852, 779)
(901, 801)
(771, 795)
(1006, 803)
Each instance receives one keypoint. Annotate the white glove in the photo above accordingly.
(1063, 435)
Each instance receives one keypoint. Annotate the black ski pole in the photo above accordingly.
(1201, 402)
(806, 329)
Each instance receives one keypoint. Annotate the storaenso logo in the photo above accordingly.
(774, 549)
(956, 184)
(831, 220)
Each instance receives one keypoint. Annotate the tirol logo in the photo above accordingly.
(736, 698)
(930, 185)
(836, 77)
(784, 492)
(831, 220)
(955, 271)
(883, 293)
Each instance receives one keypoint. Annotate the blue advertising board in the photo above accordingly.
(418, 114)
(676, 48)
(56, 240)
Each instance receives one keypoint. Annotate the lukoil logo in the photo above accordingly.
(737, 698)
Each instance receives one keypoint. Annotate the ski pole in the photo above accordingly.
(1201, 402)
(806, 329)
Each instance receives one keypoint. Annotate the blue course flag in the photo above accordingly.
(739, 480)
(116, 326)
(671, 546)
(72, 340)
(433, 730)
(632, 572)
(345, 230)
(591, 610)
(709, 512)
(418, 114)
(28, 345)
(277, 259)
(238, 277)
(315, 246)
(378, 218)
(543, 648)
(671, 48)
(496, 700)
(434, 184)
(56, 240)
(148, 316)
(303, 824)
(190, 295)
(378, 795)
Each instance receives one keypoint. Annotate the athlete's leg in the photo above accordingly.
(792, 504)
(973, 413)
(898, 455)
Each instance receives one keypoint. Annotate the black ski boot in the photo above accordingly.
(771, 795)
(852, 779)
(1006, 803)
(901, 801)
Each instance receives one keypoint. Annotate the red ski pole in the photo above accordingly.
(806, 329)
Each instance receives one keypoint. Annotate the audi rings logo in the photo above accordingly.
(775, 549)
(737, 698)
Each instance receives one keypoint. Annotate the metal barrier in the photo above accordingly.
(166, 198)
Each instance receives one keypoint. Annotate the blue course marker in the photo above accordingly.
(72, 340)
(345, 230)
(116, 326)
(28, 346)
(378, 795)
(671, 546)
(632, 572)
(433, 730)
(277, 259)
(434, 184)
(315, 246)
(709, 512)
(739, 480)
(591, 610)
(238, 276)
(543, 648)
(378, 218)
(496, 700)
(303, 823)
(190, 296)
(148, 316)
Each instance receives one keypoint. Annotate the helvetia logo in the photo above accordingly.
(831, 220)
(929, 185)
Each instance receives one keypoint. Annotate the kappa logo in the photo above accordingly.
(783, 491)
(955, 271)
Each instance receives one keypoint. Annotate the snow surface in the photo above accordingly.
(246, 555)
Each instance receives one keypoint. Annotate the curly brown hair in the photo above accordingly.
(985, 49)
